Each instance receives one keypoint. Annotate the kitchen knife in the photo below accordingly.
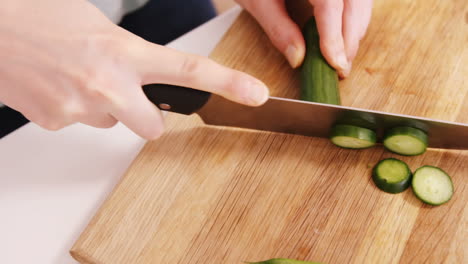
(298, 117)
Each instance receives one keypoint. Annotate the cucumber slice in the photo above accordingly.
(406, 141)
(354, 137)
(360, 119)
(432, 185)
(392, 175)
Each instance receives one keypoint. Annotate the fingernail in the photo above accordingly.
(293, 56)
(258, 93)
(344, 65)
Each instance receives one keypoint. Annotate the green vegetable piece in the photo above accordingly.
(432, 185)
(406, 141)
(359, 119)
(353, 137)
(392, 175)
(319, 81)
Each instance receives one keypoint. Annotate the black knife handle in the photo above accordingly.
(175, 98)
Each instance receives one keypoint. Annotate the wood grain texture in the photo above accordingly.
(204, 194)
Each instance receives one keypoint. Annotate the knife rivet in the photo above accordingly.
(164, 106)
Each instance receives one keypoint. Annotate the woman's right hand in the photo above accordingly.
(64, 62)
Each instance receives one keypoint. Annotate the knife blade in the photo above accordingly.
(298, 117)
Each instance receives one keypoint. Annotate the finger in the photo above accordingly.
(158, 64)
(282, 31)
(52, 124)
(46, 116)
(45, 122)
(101, 120)
(136, 112)
(93, 110)
(356, 17)
(328, 15)
(366, 16)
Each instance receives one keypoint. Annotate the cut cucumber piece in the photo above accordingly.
(319, 81)
(359, 119)
(392, 175)
(406, 141)
(432, 185)
(347, 136)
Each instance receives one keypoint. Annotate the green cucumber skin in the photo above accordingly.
(365, 120)
(422, 198)
(319, 81)
(409, 131)
(394, 187)
(353, 131)
(283, 261)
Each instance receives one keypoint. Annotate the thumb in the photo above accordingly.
(282, 31)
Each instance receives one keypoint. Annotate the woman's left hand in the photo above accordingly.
(341, 25)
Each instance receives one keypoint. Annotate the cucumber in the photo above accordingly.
(392, 175)
(319, 81)
(283, 261)
(432, 185)
(353, 137)
(360, 119)
(407, 141)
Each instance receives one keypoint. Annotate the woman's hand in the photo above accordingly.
(64, 62)
(341, 25)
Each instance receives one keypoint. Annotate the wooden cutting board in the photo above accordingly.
(204, 194)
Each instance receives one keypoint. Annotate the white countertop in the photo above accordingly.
(52, 183)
